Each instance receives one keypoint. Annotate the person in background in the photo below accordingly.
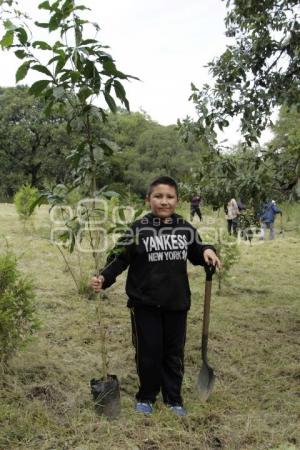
(195, 206)
(232, 212)
(267, 218)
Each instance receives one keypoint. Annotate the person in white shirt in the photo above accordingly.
(232, 214)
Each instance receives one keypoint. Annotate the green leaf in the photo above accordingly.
(108, 85)
(66, 75)
(87, 42)
(42, 69)
(54, 23)
(96, 82)
(42, 24)
(42, 45)
(77, 61)
(126, 103)
(38, 202)
(58, 45)
(119, 90)
(120, 93)
(44, 5)
(22, 71)
(84, 93)
(110, 102)
(75, 76)
(22, 35)
(38, 87)
(109, 67)
(89, 69)
(81, 7)
(55, 58)
(7, 39)
(60, 64)
(21, 54)
(8, 25)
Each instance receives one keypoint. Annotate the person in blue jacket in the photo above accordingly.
(267, 218)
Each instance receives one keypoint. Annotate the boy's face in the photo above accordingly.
(163, 200)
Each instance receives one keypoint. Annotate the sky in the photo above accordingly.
(165, 43)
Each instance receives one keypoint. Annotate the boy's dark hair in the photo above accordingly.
(162, 180)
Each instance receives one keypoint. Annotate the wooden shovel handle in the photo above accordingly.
(209, 270)
(206, 311)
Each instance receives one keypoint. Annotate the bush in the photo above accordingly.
(17, 310)
(24, 199)
(228, 251)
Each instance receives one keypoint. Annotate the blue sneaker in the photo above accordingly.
(178, 410)
(144, 407)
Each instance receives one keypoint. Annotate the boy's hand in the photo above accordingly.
(211, 258)
(96, 283)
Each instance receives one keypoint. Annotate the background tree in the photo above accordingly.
(158, 150)
(33, 147)
(284, 152)
(259, 70)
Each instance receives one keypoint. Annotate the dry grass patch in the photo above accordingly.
(253, 348)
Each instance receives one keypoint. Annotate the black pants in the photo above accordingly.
(196, 210)
(159, 338)
(232, 226)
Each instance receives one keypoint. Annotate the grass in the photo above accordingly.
(254, 349)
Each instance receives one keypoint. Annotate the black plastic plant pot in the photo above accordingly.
(106, 395)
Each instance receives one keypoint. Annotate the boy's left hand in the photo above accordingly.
(211, 258)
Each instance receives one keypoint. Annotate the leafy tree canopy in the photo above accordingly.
(259, 70)
(32, 147)
(284, 152)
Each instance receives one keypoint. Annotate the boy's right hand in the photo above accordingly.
(97, 282)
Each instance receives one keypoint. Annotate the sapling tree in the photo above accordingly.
(24, 199)
(18, 320)
(76, 71)
(228, 251)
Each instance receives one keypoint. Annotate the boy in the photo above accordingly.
(156, 249)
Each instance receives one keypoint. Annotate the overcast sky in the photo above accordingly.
(165, 43)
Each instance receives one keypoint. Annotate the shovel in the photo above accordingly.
(206, 377)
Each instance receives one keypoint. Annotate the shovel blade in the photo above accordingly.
(206, 381)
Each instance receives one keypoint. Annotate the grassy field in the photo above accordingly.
(254, 348)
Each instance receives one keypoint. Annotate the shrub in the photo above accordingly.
(228, 250)
(17, 310)
(24, 199)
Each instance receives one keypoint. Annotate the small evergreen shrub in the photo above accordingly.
(17, 310)
(24, 199)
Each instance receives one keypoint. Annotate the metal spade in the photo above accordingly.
(206, 377)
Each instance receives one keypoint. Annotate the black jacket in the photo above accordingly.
(156, 253)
